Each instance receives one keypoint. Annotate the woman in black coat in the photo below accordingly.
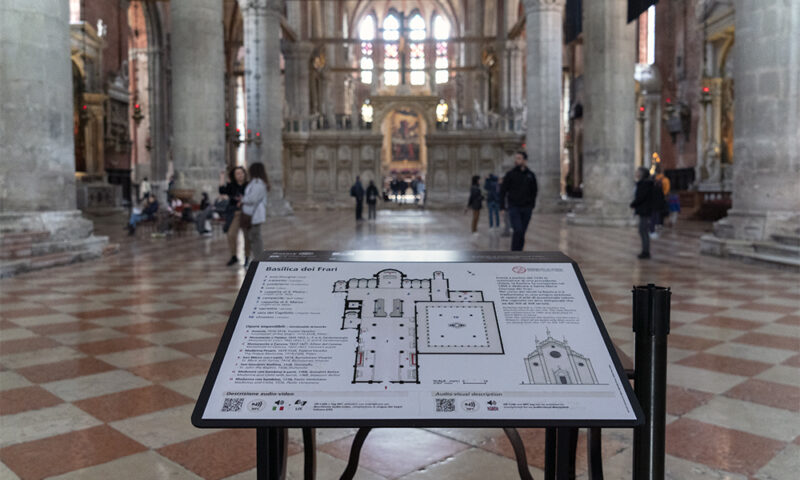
(475, 202)
(642, 205)
(233, 190)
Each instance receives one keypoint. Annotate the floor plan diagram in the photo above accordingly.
(398, 319)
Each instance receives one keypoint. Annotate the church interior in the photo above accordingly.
(110, 314)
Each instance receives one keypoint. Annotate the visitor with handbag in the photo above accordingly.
(254, 210)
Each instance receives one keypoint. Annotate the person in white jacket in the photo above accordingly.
(254, 204)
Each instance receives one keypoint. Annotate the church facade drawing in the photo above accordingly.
(554, 362)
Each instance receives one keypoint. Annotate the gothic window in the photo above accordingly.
(366, 33)
(416, 34)
(441, 33)
(391, 50)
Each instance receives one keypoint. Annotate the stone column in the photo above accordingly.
(297, 58)
(264, 94)
(37, 152)
(766, 159)
(543, 30)
(198, 94)
(609, 114)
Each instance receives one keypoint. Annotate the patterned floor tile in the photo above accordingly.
(702, 379)
(144, 465)
(718, 447)
(142, 356)
(216, 455)
(768, 422)
(396, 452)
(51, 372)
(43, 423)
(767, 393)
(95, 385)
(155, 297)
(171, 370)
(132, 403)
(113, 345)
(68, 452)
(731, 365)
(161, 428)
(39, 357)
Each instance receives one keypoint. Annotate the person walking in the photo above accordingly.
(357, 191)
(475, 202)
(492, 200)
(233, 190)
(372, 200)
(254, 210)
(642, 205)
(518, 196)
(421, 190)
(660, 206)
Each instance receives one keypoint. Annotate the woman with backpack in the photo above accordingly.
(254, 210)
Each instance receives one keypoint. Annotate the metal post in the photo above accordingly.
(651, 306)
(271, 446)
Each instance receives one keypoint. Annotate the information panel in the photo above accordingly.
(422, 338)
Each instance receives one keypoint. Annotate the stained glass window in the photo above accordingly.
(441, 33)
(416, 60)
(391, 54)
(366, 33)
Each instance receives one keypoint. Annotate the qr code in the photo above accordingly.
(445, 404)
(232, 404)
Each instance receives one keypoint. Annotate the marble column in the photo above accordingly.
(297, 58)
(543, 32)
(766, 158)
(609, 114)
(264, 94)
(37, 152)
(198, 94)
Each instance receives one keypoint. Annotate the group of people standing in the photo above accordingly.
(246, 193)
(514, 195)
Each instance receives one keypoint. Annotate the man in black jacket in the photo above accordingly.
(357, 191)
(518, 195)
(642, 204)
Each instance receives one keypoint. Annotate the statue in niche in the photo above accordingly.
(479, 116)
(727, 120)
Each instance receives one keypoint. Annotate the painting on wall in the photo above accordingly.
(405, 128)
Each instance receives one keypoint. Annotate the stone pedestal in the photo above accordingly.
(198, 94)
(37, 156)
(264, 94)
(543, 24)
(609, 115)
(766, 168)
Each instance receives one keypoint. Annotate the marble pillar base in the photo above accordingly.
(36, 240)
(600, 214)
(771, 237)
(278, 206)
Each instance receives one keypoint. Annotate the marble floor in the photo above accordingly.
(100, 362)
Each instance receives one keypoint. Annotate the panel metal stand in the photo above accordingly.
(651, 324)
(271, 444)
(560, 448)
